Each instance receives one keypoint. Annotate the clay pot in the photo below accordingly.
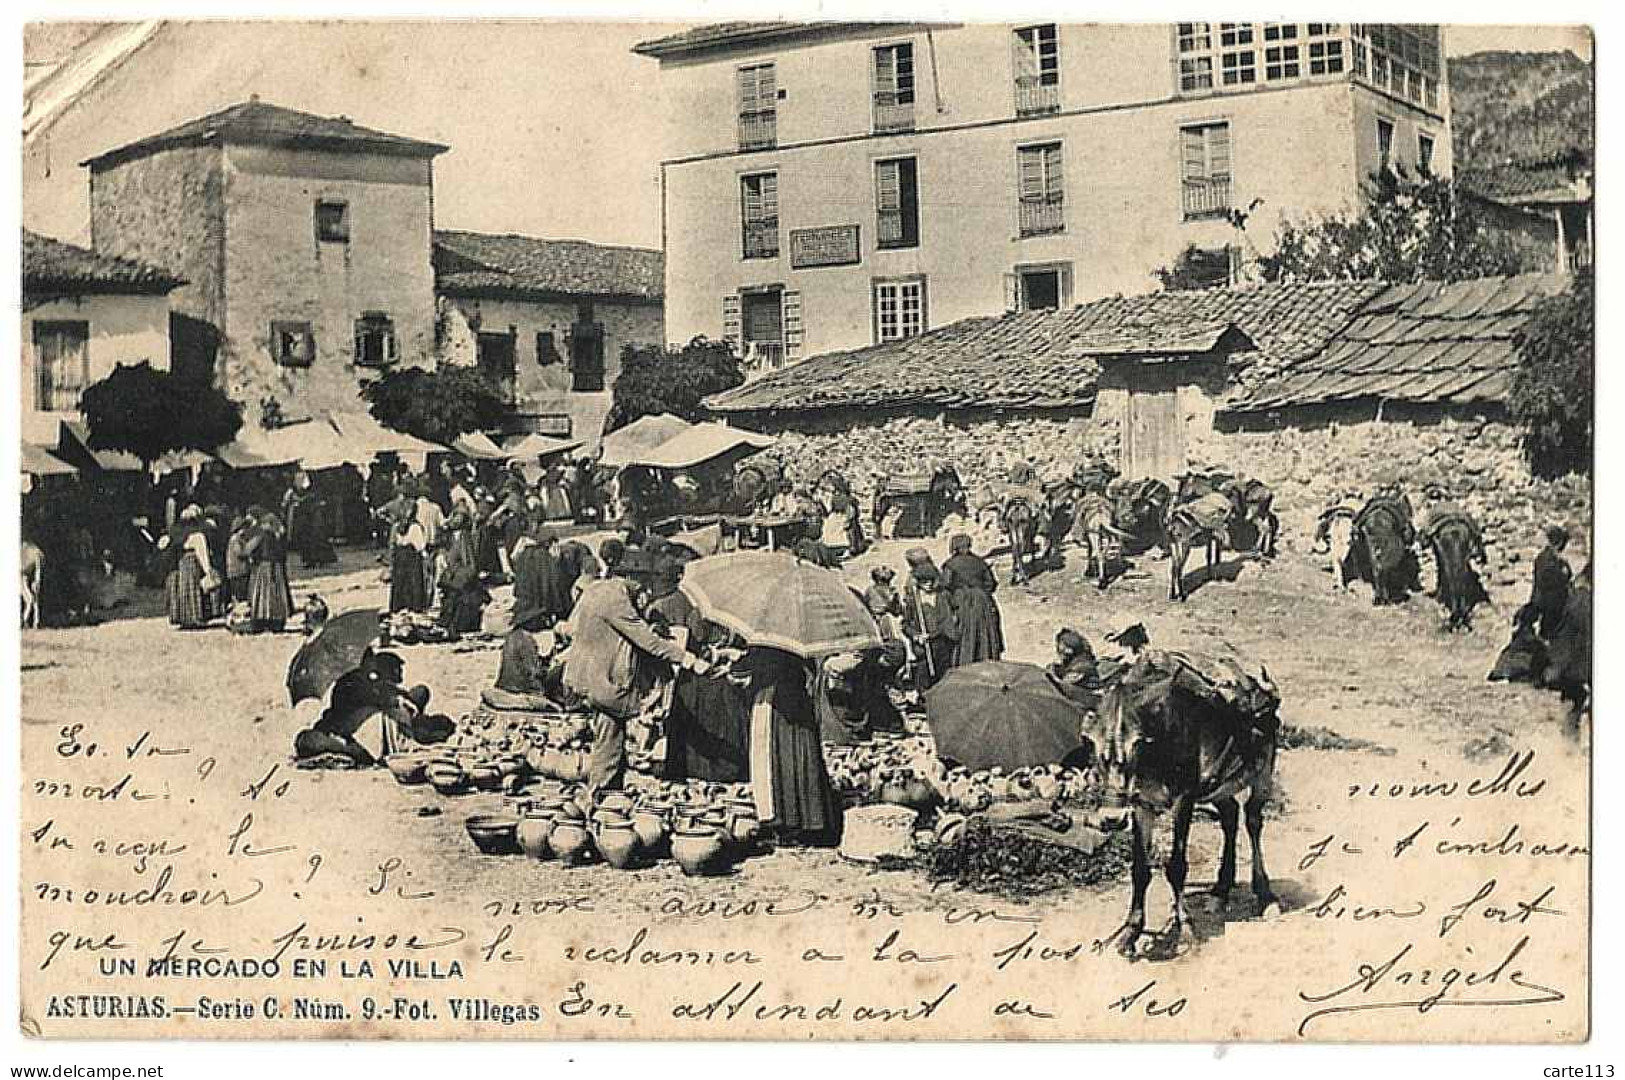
(552, 764)
(448, 779)
(493, 834)
(485, 777)
(650, 822)
(743, 823)
(568, 838)
(532, 832)
(407, 768)
(617, 842)
(618, 802)
(696, 849)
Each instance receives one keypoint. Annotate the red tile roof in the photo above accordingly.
(491, 264)
(54, 267)
(1047, 359)
(259, 123)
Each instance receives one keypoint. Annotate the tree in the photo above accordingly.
(435, 405)
(1553, 397)
(656, 380)
(1408, 230)
(142, 411)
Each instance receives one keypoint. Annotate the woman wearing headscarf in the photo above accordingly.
(306, 524)
(969, 583)
(788, 780)
(462, 597)
(188, 542)
(408, 585)
(270, 600)
(928, 620)
(555, 495)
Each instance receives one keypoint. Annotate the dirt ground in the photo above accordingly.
(1390, 676)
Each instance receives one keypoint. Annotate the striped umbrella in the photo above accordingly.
(776, 600)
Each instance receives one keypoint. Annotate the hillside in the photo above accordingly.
(1520, 106)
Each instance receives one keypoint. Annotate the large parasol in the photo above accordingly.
(339, 646)
(1000, 713)
(777, 600)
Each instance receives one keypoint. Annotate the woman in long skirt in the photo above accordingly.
(788, 779)
(708, 729)
(184, 599)
(969, 582)
(408, 587)
(270, 600)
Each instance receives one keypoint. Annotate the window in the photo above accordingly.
(1041, 190)
(61, 365)
(1038, 70)
(1205, 154)
(1424, 152)
(332, 221)
(1196, 73)
(1325, 57)
(897, 203)
(375, 340)
(894, 87)
(1239, 68)
(292, 344)
(1194, 37)
(1280, 31)
(1385, 141)
(899, 309)
(586, 354)
(547, 349)
(1400, 59)
(1040, 288)
(494, 356)
(759, 208)
(764, 326)
(758, 107)
(1233, 34)
(1281, 62)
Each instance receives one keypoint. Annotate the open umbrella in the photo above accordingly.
(777, 600)
(336, 649)
(1000, 713)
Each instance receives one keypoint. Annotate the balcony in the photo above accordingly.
(892, 114)
(762, 357)
(891, 232)
(762, 240)
(1209, 198)
(759, 130)
(1037, 98)
(1039, 217)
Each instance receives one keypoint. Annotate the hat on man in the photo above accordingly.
(1130, 635)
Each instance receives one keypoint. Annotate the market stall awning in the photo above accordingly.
(366, 435)
(528, 447)
(641, 436)
(478, 445)
(180, 461)
(38, 461)
(698, 444)
(256, 448)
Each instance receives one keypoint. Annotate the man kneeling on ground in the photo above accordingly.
(370, 715)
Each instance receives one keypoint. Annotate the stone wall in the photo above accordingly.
(1476, 460)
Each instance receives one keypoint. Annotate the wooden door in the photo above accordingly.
(1154, 436)
(497, 364)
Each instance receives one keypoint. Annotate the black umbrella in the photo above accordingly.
(1000, 713)
(338, 648)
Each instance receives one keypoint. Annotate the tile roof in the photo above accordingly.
(51, 266)
(1549, 181)
(1426, 342)
(257, 122)
(489, 264)
(711, 35)
(1048, 359)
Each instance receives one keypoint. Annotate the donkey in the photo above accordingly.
(1382, 550)
(1141, 513)
(1334, 536)
(1021, 523)
(1205, 521)
(1161, 745)
(1456, 543)
(1094, 528)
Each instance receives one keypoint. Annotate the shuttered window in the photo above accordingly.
(759, 209)
(1205, 167)
(61, 364)
(897, 203)
(731, 327)
(1041, 189)
(1038, 69)
(758, 106)
(893, 87)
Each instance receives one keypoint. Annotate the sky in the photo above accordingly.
(554, 127)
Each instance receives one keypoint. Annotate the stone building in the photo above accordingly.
(304, 240)
(546, 321)
(834, 185)
(83, 314)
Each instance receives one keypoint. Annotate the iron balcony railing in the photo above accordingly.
(762, 357)
(1040, 216)
(892, 114)
(890, 230)
(1034, 97)
(1207, 198)
(759, 130)
(762, 239)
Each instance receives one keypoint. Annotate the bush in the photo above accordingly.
(146, 412)
(1553, 392)
(656, 380)
(435, 405)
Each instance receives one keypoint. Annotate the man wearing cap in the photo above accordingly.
(928, 619)
(612, 641)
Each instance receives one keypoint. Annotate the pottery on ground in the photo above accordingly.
(697, 849)
(569, 838)
(493, 834)
(617, 842)
(651, 822)
(408, 768)
(532, 833)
